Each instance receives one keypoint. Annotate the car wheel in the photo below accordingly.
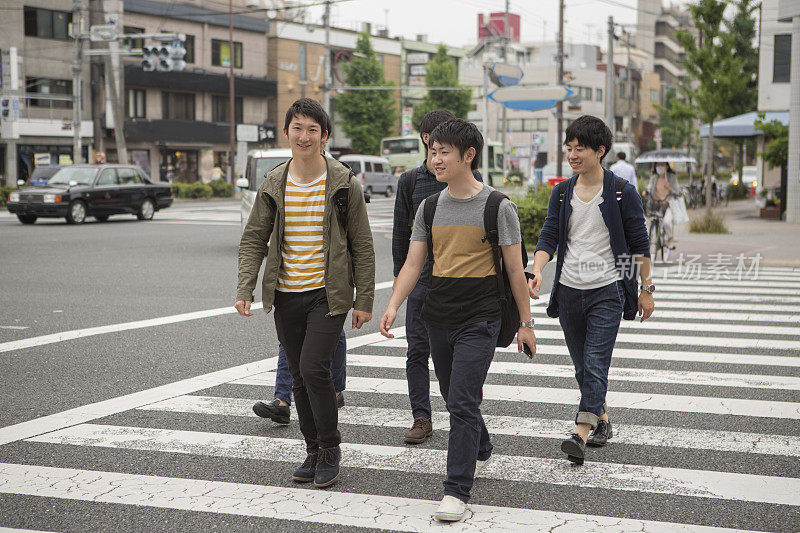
(101, 218)
(27, 219)
(76, 213)
(147, 210)
(388, 191)
(368, 190)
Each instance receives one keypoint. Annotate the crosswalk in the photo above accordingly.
(704, 399)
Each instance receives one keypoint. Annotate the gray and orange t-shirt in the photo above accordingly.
(463, 286)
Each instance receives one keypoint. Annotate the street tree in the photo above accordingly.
(776, 141)
(367, 115)
(676, 118)
(744, 31)
(441, 71)
(714, 70)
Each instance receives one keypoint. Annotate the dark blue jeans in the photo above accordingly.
(283, 378)
(419, 350)
(590, 320)
(461, 359)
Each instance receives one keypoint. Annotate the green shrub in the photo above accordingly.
(197, 189)
(708, 223)
(737, 192)
(221, 188)
(4, 192)
(532, 210)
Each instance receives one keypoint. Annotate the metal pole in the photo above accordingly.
(115, 85)
(793, 162)
(77, 17)
(560, 81)
(231, 99)
(629, 88)
(610, 97)
(485, 152)
(326, 79)
(506, 40)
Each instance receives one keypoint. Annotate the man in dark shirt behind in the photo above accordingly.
(413, 187)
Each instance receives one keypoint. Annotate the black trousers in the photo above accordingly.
(309, 337)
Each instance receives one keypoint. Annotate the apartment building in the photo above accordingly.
(36, 123)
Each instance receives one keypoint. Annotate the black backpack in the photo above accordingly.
(509, 314)
(409, 184)
(619, 184)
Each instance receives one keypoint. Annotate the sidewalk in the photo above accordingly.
(776, 241)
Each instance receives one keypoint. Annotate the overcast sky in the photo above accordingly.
(455, 22)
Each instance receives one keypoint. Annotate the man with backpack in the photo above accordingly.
(463, 307)
(596, 222)
(413, 187)
(312, 211)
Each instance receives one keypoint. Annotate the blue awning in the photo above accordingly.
(743, 125)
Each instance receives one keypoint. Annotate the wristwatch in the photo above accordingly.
(648, 288)
(526, 324)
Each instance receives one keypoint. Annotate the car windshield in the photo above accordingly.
(82, 175)
(400, 146)
(263, 165)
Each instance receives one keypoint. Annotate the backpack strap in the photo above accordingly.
(409, 184)
(428, 214)
(561, 190)
(490, 213)
(619, 184)
(341, 201)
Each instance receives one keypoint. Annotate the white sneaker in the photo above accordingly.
(481, 465)
(451, 510)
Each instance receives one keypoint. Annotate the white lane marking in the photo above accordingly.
(726, 306)
(14, 327)
(628, 400)
(729, 290)
(678, 310)
(754, 284)
(642, 375)
(612, 476)
(696, 439)
(746, 298)
(646, 354)
(291, 504)
(85, 413)
(125, 326)
(655, 325)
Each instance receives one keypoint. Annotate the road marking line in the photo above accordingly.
(551, 395)
(299, 505)
(126, 326)
(641, 375)
(720, 296)
(528, 469)
(654, 355)
(15, 327)
(734, 314)
(727, 283)
(634, 326)
(697, 439)
(729, 290)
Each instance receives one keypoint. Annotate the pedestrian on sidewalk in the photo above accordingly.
(596, 222)
(313, 212)
(461, 305)
(278, 409)
(625, 170)
(413, 187)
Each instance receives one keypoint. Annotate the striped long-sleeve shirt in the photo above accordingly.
(303, 259)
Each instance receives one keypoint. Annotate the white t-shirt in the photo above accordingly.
(625, 170)
(588, 260)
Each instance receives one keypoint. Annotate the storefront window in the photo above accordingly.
(178, 165)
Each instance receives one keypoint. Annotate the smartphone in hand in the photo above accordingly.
(527, 350)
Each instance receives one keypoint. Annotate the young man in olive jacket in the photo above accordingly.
(318, 252)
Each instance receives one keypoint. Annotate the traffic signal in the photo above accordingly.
(176, 54)
(5, 107)
(149, 58)
(165, 58)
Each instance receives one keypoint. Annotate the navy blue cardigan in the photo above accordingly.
(626, 229)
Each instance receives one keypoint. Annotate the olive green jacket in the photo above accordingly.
(345, 268)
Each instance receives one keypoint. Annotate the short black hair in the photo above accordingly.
(621, 155)
(433, 118)
(311, 109)
(591, 132)
(460, 134)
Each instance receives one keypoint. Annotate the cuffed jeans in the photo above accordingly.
(283, 378)
(309, 337)
(590, 320)
(461, 359)
(419, 350)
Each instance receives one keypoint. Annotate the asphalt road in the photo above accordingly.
(686, 464)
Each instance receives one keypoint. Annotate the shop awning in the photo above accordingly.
(743, 125)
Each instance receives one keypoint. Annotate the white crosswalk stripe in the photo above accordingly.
(703, 398)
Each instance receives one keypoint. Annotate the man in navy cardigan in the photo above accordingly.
(596, 223)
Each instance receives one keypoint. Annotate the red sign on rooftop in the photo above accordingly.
(493, 26)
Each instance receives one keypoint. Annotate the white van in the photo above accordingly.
(374, 172)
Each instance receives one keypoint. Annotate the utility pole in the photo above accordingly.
(77, 60)
(610, 96)
(113, 82)
(326, 78)
(506, 39)
(793, 159)
(485, 152)
(231, 99)
(629, 86)
(560, 81)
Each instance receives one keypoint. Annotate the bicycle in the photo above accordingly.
(659, 243)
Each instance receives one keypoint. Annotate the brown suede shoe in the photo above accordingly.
(421, 430)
